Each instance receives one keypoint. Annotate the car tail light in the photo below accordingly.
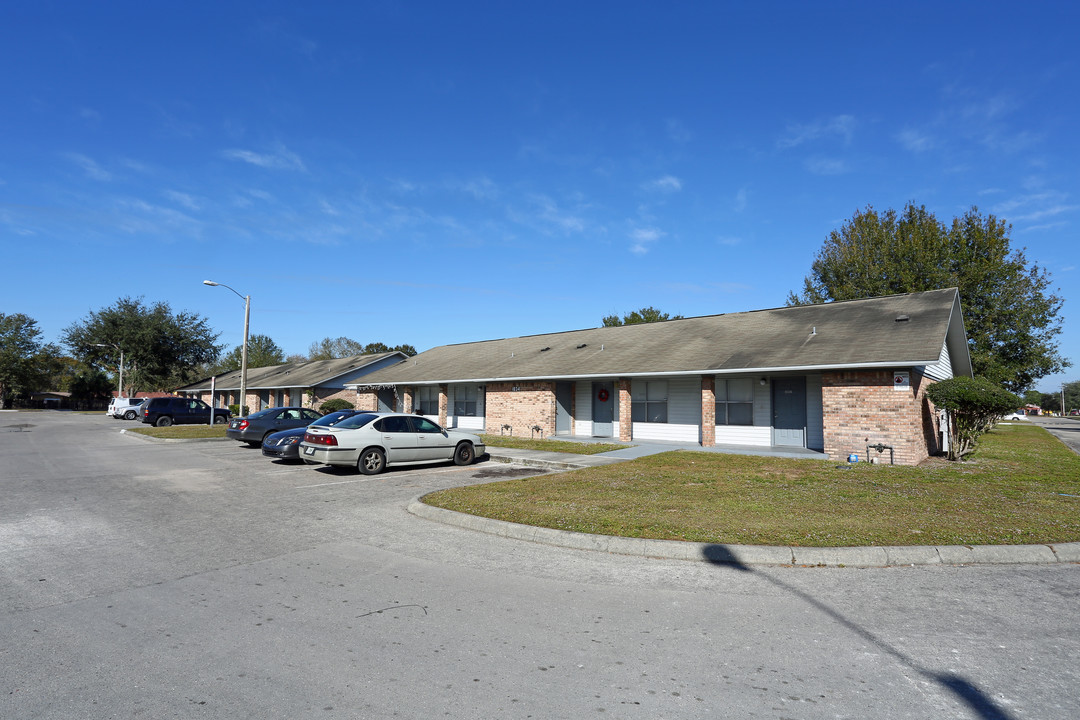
(320, 439)
(243, 424)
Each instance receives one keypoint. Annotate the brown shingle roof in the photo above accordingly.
(289, 375)
(898, 330)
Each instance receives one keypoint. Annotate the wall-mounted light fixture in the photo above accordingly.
(763, 381)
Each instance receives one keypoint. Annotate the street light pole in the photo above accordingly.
(243, 349)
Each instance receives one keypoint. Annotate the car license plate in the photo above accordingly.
(309, 451)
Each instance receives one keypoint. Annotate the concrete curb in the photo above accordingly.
(760, 554)
(533, 462)
(147, 438)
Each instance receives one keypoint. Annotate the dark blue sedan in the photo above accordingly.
(285, 445)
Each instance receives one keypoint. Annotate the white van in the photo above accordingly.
(127, 408)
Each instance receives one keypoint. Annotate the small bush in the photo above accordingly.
(973, 405)
(334, 405)
(235, 410)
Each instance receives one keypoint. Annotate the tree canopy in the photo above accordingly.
(161, 349)
(262, 352)
(644, 315)
(26, 364)
(1011, 314)
(342, 347)
(1052, 401)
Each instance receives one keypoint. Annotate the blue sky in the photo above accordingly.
(432, 173)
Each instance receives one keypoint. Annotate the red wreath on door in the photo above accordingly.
(602, 396)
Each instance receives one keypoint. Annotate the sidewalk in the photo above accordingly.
(737, 555)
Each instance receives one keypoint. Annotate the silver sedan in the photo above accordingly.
(371, 441)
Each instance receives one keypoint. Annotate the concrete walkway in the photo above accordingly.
(738, 555)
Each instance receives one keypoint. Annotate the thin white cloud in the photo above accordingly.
(677, 132)
(826, 166)
(280, 159)
(403, 186)
(914, 140)
(1030, 200)
(842, 126)
(142, 218)
(547, 214)
(89, 167)
(1047, 226)
(480, 188)
(245, 199)
(644, 238)
(665, 184)
(1045, 213)
(184, 199)
(328, 209)
(741, 199)
(729, 240)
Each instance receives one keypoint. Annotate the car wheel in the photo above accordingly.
(464, 454)
(220, 420)
(372, 461)
(129, 415)
(164, 421)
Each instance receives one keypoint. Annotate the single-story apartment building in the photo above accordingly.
(833, 378)
(305, 384)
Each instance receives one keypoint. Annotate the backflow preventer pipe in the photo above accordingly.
(881, 447)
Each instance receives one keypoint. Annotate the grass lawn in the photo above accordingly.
(562, 446)
(182, 431)
(1021, 487)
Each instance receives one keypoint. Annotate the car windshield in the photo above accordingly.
(357, 421)
(333, 418)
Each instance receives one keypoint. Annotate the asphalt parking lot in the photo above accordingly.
(203, 580)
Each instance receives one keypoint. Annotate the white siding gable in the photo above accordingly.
(942, 369)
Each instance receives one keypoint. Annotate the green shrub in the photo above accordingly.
(973, 406)
(334, 405)
(235, 410)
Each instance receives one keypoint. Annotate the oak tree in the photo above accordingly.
(1011, 313)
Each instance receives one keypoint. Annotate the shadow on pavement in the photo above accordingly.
(976, 699)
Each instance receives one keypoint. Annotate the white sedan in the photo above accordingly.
(1015, 416)
(372, 441)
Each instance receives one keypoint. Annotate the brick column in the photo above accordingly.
(626, 423)
(408, 405)
(443, 401)
(367, 400)
(708, 411)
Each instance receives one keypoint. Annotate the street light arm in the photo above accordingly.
(211, 283)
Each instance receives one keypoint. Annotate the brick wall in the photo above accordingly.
(520, 405)
(863, 408)
(367, 400)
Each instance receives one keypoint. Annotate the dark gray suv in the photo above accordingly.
(166, 411)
